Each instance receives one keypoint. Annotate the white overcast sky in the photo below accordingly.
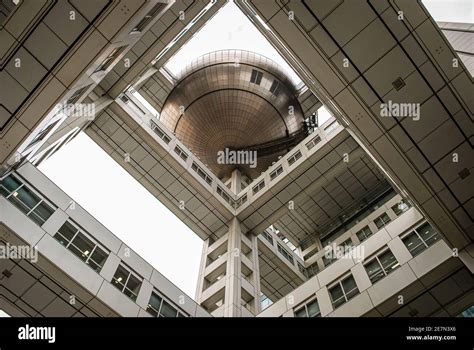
(228, 29)
(109, 193)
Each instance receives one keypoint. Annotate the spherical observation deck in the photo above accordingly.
(233, 99)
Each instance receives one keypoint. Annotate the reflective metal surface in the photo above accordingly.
(215, 106)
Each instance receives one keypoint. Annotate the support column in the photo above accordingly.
(236, 181)
(233, 283)
(229, 279)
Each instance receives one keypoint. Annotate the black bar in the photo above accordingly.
(377, 333)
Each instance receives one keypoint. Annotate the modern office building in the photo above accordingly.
(366, 213)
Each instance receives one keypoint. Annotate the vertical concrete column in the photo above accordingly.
(256, 274)
(230, 287)
(233, 283)
(202, 269)
(236, 181)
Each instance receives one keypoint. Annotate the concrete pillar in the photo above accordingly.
(213, 288)
(236, 181)
(233, 285)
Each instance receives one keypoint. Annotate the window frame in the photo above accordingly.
(115, 282)
(70, 242)
(384, 223)
(339, 284)
(362, 230)
(30, 212)
(423, 243)
(304, 307)
(385, 270)
(399, 211)
(256, 77)
(179, 312)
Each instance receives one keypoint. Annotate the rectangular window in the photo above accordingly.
(109, 60)
(221, 192)
(310, 309)
(77, 95)
(313, 142)
(275, 88)
(292, 159)
(421, 238)
(302, 269)
(161, 134)
(258, 187)
(343, 291)
(6, 8)
(381, 266)
(241, 201)
(382, 220)
(268, 237)
(328, 260)
(26, 199)
(181, 153)
(201, 173)
(256, 77)
(127, 282)
(400, 208)
(276, 172)
(347, 244)
(148, 17)
(41, 135)
(286, 254)
(312, 270)
(159, 307)
(82, 246)
(364, 233)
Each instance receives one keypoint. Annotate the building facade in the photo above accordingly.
(367, 213)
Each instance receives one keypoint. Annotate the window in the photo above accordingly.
(312, 270)
(364, 233)
(310, 309)
(381, 266)
(159, 307)
(347, 244)
(286, 254)
(201, 173)
(421, 238)
(77, 95)
(6, 8)
(224, 195)
(313, 142)
(400, 208)
(42, 134)
(107, 62)
(256, 77)
(241, 201)
(343, 291)
(258, 187)
(81, 246)
(26, 199)
(328, 260)
(292, 159)
(382, 220)
(287, 242)
(275, 88)
(268, 237)
(276, 172)
(161, 134)
(181, 153)
(302, 269)
(148, 17)
(126, 282)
